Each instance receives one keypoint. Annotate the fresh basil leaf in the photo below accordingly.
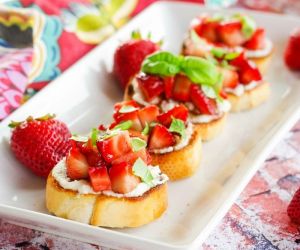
(141, 170)
(94, 136)
(209, 91)
(248, 25)
(162, 63)
(79, 138)
(231, 55)
(153, 124)
(123, 125)
(226, 65)
(210, 58)
(136, 35)
(109, 134)
(218, 52)
(127, 109)
(146, 129)
(199, 70)
(137, 144)
(177, 126)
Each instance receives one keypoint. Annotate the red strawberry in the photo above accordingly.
(77, 165)
(230, 78)
(169, 83)
(148, 114)
(129, 57)
(181, 91)
(240, 61)
(208, 31)
(151, 86)
(249, 72)
(131, 157)
(178, 112)
(196, 25)
(131, 103)
(292, 51)
(257, 41)
(40, 143)
(204, 104)
(293, 209)
(122, 179)
(231, 33)
(99, 178)
(132, 116)
(115, 146)
(160, 138)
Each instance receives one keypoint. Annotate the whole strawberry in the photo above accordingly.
(292, 51)
(129, 56)
(293, 209)
(40, 143)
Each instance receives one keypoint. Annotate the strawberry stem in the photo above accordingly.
(14, 124)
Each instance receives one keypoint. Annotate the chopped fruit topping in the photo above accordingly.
(240, 61)
(115, 146)
(93, 157)
(148, 114)
(203, 103)
(119, 105)
(134, 133)
(249, 73)
(292, 51)
(293, 209)
(257, 41)
(122, 179)
(196, 24)
(151, 86)
(131, 116)
(161, 137)
(40, 143)
(178, 112)
(99, 178)
(181, 91)
(231, 33)
(208, 31)
(131, 157)
(230, 78)
(169, 83)
(77, 165)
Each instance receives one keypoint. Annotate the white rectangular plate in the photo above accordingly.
(84, 96)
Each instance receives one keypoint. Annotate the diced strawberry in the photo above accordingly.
(178, 112)
(99, 178)
(115, 146)
(131, 157)
(204, 104)
(132, 116)
(257, 41)
(161, 137)
(134, 133)
(102, 127)
(122, 178)
(148, 114)
(223, 94)
(181, 91)
(119, 105)
(240, 61)
(77, 165)
(292, 51)
(230, 78)
(249, 73)
(231, 33)
(209, 31)
(169, 84)
(151, 86)
(196, 24)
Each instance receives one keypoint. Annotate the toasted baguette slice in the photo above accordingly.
(181, 163)
(262, 63)
(250, 99)
(208, 131)
(106, 211)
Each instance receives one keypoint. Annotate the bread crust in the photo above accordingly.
(106, 211)
(250, 99)
(262, 63)
(181, 163)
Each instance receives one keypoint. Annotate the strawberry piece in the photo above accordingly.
(131, 157)
(169, 84)
(181, 91)
(231, 33)
(148, 114)
(122, 179)
(248, 73)
(196, 25)
(203, 103)
(132, 116)
(150, 85)
(128, 59)
(257, 41)
(293, 209)
(240, 61)
(39, 144)
(178, 112)
(161, 137)
(77, 165)
(99, 178)
(223, 94)
(292, 51)
(209, 31)
(131, 103)
(134, 133)
(114, 147)
(230, 78)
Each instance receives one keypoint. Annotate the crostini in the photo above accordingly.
(106, 180)
(167, 80)
(238, 32)
(172, 141)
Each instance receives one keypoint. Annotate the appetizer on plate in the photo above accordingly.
(107, 180)
(167, 80)
(172, 141)
(238, 32)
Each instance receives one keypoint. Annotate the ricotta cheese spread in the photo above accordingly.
(240, 89)
(59, 173)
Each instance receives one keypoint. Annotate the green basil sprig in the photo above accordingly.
(248, 24)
